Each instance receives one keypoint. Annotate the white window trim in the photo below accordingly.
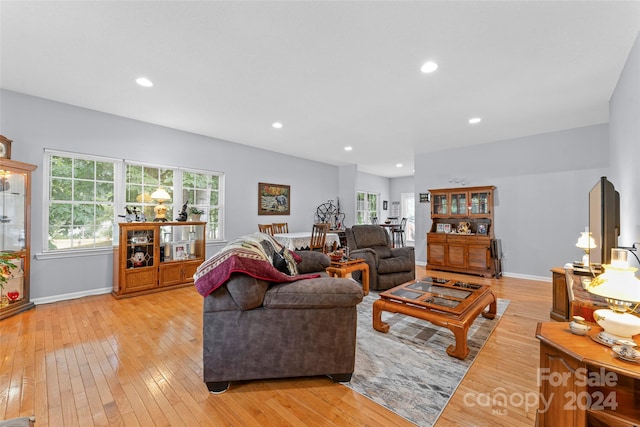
(119, 200)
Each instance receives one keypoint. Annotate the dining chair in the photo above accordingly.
(398, 233)
(319, 237)
(280, 227)
(266, 228)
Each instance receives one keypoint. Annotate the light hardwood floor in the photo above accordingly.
(98, 361)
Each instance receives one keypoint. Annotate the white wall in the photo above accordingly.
(624, 134)
(541, 199)
(35, 124)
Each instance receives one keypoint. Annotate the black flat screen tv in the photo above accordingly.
(604, 220)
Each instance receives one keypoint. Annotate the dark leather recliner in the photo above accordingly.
(388, 267)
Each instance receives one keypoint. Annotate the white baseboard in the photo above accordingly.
(516, 275)
(73, 295)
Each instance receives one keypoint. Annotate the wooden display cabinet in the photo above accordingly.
(582, 383)
(156, 256)
(15, 235)
(462, 252)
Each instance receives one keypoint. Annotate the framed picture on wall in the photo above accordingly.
(274, 199)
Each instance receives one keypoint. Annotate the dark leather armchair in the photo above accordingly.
(388, 267)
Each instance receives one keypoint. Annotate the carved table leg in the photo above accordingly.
(493, 308)
(378, 324)
(459, 348)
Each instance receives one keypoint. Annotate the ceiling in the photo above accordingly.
(333, 73)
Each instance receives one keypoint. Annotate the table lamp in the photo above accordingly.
(586, 242)
(161, 196)
(621, 289)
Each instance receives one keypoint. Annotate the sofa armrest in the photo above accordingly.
(322, 292)
(312, 262)
(369, 255)
(407, 251)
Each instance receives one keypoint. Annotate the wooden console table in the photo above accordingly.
(582, 383)
(570, 298)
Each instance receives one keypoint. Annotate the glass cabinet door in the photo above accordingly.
(140, 247)
(182, 242)
(480, 203)
(439, 205)
(15, 195)
(459, 204)
(12, 211)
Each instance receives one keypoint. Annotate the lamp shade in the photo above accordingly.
(160, 195)
(585, 241)
(617, 283)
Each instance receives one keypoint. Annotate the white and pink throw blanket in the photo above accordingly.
(252, 255)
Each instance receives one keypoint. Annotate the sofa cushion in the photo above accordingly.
(246, 291)
(312, 261)
(394, 265)
(323, 292)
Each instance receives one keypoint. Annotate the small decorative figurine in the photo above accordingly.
(182, 216)
(137, 259)
(579, 326)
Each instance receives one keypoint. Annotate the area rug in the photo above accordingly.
(408, 370)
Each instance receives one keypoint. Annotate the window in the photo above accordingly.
(87, 194)
(141, 181)
(366, 208)
(81, 205)
(202, 191)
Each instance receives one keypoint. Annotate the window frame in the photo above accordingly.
(120, 202)
(367, 211)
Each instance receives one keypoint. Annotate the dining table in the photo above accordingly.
(302, 239)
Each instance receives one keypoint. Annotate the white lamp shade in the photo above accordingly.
(617, 283)
(585, 241)
(160, 195)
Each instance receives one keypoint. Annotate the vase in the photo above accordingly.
(194, 217)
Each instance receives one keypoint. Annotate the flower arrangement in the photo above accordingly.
(195, 211)
(5, 267)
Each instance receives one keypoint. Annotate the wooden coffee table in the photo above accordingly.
(449, 303)
(342, 268)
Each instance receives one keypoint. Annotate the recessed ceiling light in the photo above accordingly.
(277, 125)
(429, 67)
(475, 120)
(348, 148)
(143, 81)
(399, 165)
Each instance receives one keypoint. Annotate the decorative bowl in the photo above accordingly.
(336, 256)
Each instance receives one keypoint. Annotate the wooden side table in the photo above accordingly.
(342, 268)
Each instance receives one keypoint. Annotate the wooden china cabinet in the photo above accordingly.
(461, 237)
(15, 228)
(155, 256)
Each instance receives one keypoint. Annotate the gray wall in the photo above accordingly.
(35, 124)
(624, 135)
(542, 180)
(541, 200)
